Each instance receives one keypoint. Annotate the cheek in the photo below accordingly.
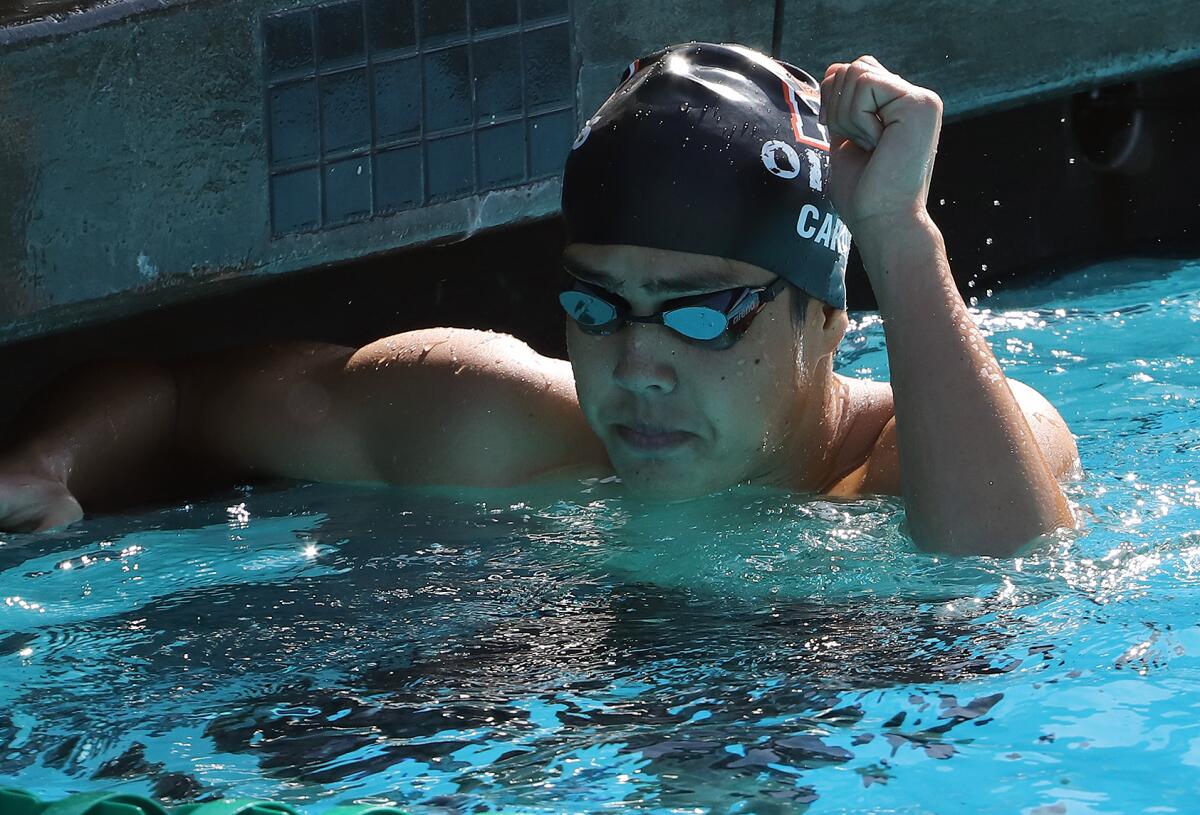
(735, 392)
(589, 365)
(755, 396)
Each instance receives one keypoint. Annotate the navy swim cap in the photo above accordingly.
(715, 150)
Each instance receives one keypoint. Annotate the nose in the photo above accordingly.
(646, 363)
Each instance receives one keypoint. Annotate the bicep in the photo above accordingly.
(438, 406)
(272, 410)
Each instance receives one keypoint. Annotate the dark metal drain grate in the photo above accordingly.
(377, 106)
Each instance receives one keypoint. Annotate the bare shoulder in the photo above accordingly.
(879, 473)
(868, 464)
(439, 406)
(1049, 428)
(465, 361)
(496, 354)
(466, 407)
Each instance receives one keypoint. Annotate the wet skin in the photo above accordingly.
(678, 419)
(475, 408)
(981, 453)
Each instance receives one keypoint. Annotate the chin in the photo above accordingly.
(665, 481)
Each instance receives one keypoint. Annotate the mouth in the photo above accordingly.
(649, 438)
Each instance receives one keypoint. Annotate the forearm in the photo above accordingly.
(973, 476)
(105, 432)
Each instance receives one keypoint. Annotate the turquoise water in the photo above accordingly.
(577, 652)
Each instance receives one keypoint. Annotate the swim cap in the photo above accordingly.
(715, 150)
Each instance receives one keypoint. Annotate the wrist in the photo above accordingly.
(885, 237)
(905, 260)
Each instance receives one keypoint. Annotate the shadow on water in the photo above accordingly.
(480, 642)
(571, 650)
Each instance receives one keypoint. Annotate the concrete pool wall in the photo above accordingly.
(149, 152)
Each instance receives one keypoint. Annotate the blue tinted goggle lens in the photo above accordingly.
(716, 326)
(594, 315)
(696, 322)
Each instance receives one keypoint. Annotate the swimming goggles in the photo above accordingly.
(714, 320)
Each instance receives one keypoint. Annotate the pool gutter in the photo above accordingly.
(136, 145)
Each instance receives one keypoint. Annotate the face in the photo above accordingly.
(679, 419)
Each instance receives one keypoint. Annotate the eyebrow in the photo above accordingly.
(702, 281)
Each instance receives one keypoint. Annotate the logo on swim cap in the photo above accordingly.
(582, 137)
(628, 182)
(780, 159)
(815, 180)
(584, 133)
(832, 233)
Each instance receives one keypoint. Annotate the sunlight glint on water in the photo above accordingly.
(754, 652)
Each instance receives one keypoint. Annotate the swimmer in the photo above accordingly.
(710, 204)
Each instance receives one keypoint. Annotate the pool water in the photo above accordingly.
(574, 651)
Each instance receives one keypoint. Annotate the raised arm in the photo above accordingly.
(441, 406)
(976, 479)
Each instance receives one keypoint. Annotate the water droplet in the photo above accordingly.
(983, 266)
(941, 202)
(995, 203)
(989, 241)
(1070, 161)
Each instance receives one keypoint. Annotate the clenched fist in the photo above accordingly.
(883, 136)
